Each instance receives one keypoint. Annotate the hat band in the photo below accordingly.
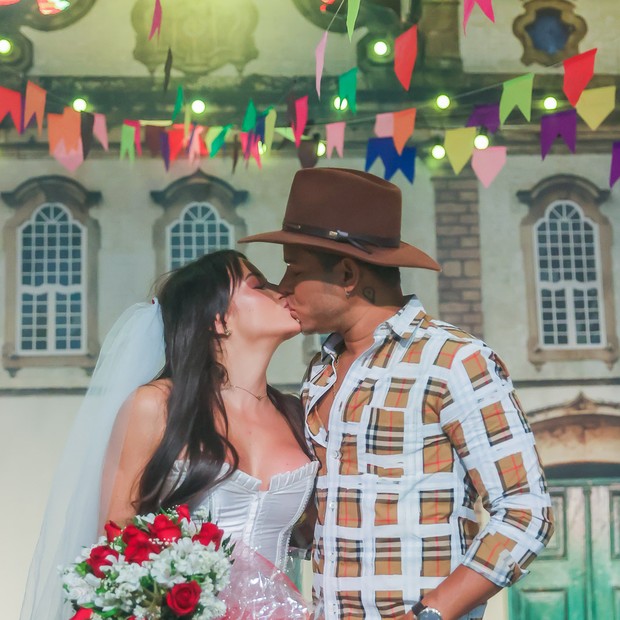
(358, 241)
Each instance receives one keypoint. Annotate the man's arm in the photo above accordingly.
(488, 430)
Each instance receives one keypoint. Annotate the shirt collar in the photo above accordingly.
(400, 325)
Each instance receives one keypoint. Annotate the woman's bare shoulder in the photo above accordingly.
(145, 409)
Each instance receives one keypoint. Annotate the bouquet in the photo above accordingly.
(159, 567)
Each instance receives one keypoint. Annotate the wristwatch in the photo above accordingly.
(422, 612)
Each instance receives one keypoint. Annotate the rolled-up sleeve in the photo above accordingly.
(487, 428)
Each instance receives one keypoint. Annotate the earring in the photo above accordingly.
(347, 293)
(227, 332)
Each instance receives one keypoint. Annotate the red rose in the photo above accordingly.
(82, 614)
(131, 531)
(183, 512)
(112, 530)
(139, 547)
(98, 558)
(209, 532)
(165, 529)
(183, 598)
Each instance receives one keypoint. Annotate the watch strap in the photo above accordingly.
(418, 607)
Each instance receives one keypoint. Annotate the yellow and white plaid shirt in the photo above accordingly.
(423, 423)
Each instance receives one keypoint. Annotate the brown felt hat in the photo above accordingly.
(346, 212)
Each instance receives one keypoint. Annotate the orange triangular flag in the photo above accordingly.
(404, 124)
(35, 105)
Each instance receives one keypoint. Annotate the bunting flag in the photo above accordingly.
(196, 148)
(578, 71)
(34, 106)
(558, 125)
(153, 140)
(487, 163)
(459, 144)
(249, 146)
(11, 103)
(335, 138)
(178, 104)
(137, 135)
(249, 120)
(384, 149)
(405, 54)
(319, 56)
(596, 104)
(87, 122)
(301, 118)
(517, 93)
(347, 88)
(176, 138)
(100, 130)
(128, 142)
(353, 8)
(156, 23)
(404, 124)
(187, 123)
(71, 159)
(468, 7)
(614, 173)
(485, 115)
(167, 69)
(270, 125)
(384, 125)
(218, 141)
(165, 148)
(63, 132)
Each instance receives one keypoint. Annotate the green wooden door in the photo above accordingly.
(578, 575)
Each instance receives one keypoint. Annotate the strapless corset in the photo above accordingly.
(261, 519)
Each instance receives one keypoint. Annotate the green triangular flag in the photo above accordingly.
(128, 145)
(517, 93)
(179, 102)
(217, 143)
(353, 7)
(347, 87)
(249, 120)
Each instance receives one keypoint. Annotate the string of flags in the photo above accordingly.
(70, 134)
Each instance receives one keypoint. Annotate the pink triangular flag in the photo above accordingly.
(100, 130)
(301, 118)
(156, 23)
(34, 105)
(249, 146)
(196, 144)
(485, 5)
(405, 54)
(488, 162)
(335, 138)
(137, 134)
(319, 55)
(384, 125)
(70, 159)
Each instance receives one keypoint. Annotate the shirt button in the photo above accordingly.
(336, 455)
(332, 505)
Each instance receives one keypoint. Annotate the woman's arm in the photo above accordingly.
(140, 426)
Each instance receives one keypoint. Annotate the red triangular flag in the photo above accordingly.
(578, 71)
(405, 53)
(11, 103)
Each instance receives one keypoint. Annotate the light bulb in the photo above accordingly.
(438, 151)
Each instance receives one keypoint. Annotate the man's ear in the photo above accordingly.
(349, 273)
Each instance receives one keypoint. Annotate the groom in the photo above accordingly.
(411, 418)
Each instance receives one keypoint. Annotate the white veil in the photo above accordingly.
(132, 355)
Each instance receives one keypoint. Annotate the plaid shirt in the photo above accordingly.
(425, 421)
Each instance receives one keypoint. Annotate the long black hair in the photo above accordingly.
(191, 299)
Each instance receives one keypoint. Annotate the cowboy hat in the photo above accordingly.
(346, 212)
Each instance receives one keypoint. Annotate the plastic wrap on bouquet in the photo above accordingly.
(259, 591)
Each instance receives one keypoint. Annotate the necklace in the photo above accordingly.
(257, 397)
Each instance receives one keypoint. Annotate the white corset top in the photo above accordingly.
(263, 520)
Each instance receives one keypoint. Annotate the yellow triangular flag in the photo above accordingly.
(270, 125)
(596, 104)
(459, 145)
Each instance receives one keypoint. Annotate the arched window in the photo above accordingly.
(199, 217)
(51, 275)
(566, 243)
(200, 229)
(52, 283)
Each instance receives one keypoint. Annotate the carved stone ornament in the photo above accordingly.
(203, 36)
(549, 31)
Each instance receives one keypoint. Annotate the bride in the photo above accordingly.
(206, 429)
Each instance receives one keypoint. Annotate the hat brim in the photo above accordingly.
(403, 256)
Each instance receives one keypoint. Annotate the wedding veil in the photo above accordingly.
(132, 355)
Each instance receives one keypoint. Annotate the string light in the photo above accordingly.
(79, 104)
(438, 151)
(321, 149)
(550, 103)
(198, 106)
(481, 142)
(443, 102)
(380, 48)
(5, 46)
(262, 148)
(340, 104)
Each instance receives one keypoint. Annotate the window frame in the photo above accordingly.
(26, 200)
(198, 187)
(588, 197)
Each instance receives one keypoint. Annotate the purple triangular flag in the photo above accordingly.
(165, 148)
(485, 115)
(614, 173)
(560, 124)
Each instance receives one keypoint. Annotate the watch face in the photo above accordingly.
(429, 614)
